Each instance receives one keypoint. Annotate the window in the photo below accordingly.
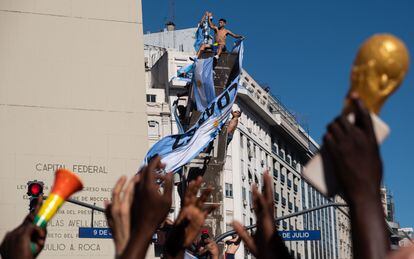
(284, 225)
(153, 130)
(282, 154)
(275, 148)
(283, 201)
(289, 159)
(282, 177)
(289, 183)
(254, 151)
(151, 98)
(275, 173)
(249, 150)
(229, 190)
(242, 170)
(244, 193)
(276, 197)
(241, 140)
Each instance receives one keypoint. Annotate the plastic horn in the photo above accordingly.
(66, 183)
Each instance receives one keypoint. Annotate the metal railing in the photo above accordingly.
(232, 232)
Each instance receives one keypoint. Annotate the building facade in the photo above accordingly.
(268, 137)
(72, 95)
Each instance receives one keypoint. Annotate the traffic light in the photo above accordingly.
(35, 191)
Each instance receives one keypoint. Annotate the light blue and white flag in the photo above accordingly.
(177, 118)
(203, 84)
(185, 69)
(178, 150)
(199, 38)
(185, 74)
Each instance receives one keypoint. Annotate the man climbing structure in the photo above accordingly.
(220, 36)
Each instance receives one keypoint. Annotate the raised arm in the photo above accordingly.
(234, 35)
(210, 23)
(354, 152)
(204, 17)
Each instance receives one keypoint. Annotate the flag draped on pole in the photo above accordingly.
(199, 38)
(178, 150)
(203, 84)
(177, 118)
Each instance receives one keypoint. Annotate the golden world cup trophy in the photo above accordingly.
(378, 70)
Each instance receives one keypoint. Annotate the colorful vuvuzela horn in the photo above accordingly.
(66, 183)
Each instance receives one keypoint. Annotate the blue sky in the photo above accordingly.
(304, 50)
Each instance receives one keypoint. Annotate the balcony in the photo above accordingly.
(275, 114)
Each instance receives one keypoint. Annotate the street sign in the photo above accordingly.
(95, 233)
(300, 235)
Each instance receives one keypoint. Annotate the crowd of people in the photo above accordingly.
(140, 207)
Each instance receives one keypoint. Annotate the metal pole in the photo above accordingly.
(93, 210)
(83, 204)
(231, 232)
(86, 205)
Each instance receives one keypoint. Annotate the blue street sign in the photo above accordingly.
(304, 235)
(95, 233)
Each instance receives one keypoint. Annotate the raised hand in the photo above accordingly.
(17, 243)
(118, 212)
(355, 153)
(194, 212)
(190, 219)
(266, 242)
(356, 160)
(150, 206)
(212, 248)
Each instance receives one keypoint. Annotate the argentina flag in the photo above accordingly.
(199, 38)
(178, 150)
(203, 84)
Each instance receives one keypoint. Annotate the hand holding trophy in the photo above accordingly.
(378, 70)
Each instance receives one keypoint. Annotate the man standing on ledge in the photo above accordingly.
(220, 37)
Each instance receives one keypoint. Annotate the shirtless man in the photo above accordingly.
(220, 37)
